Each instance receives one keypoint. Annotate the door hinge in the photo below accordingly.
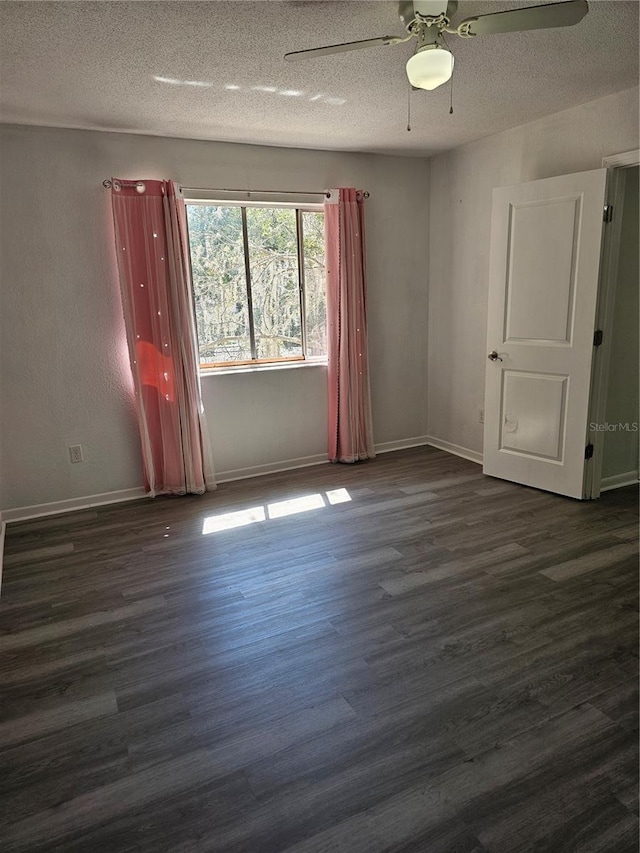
(588, 451)
(597, 338)
(607, 213)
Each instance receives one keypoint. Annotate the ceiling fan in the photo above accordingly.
(428, 20)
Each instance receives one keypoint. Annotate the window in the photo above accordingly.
(258, 280)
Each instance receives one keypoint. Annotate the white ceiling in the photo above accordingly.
(94, 65)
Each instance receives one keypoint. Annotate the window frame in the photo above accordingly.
(261, 363)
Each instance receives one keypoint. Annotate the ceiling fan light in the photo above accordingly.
(430, 67)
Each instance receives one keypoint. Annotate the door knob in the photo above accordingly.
(493, 356)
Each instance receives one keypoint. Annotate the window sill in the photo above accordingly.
(261, 368)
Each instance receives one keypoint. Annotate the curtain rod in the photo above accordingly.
(325, 193)
(107, 184)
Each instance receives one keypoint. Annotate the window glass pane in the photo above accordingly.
(274, 282)
(219, 283)
(314, 282)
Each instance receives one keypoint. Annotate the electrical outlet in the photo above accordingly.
(75, 453)
(480, 416)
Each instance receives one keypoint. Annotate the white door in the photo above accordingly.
(543, 285)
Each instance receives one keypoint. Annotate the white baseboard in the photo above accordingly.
(22, 513)
(456, 449)
(3, 525)
(402, 444)
(308, 461)
(270, 468)
(617, 481)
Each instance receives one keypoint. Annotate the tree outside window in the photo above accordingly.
(259, 282)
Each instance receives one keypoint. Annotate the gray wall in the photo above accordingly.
(620, 454)
(461, 185)
(65, 376)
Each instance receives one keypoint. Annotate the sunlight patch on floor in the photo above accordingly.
(229, 520)
(279, 509)
(295, 505)
(338, 496)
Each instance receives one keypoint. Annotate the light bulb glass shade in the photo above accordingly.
(430, 68)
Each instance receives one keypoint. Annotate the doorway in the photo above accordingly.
(561, 387)
(546, 237)
(615, 430)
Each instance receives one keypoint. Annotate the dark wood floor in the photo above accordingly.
(445, 664)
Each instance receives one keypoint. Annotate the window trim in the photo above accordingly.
(252, 367)
(283, 361)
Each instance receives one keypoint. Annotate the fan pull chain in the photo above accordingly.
(446, 44)
(409, 109)
(451, 96)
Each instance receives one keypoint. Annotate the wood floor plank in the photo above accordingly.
(35, 636)
(35, 554)
(604, 828)
(447, 570)
(61, 716)
(111, 800)
(620, 703)
(402, 820)
(52, 769)
(599, 560)
(238, 752)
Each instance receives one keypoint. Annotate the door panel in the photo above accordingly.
(543, 281)
(540, 402)
(542, 249)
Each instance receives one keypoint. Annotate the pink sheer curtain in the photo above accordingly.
(350, 423)
(155, 285)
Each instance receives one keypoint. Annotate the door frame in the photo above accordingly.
(616, 179)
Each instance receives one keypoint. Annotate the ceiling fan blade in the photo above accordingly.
(339, 48)
(530, 18)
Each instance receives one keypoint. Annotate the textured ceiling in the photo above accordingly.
(215, 70)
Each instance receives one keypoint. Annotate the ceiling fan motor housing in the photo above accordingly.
(423, 10)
